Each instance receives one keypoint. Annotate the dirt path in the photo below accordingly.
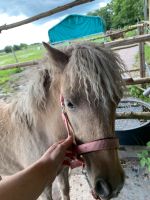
(137, 185)
(128, 56)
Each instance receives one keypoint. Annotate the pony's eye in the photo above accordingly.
(70, 105)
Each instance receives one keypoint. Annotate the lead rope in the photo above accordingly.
(78, 160)
(95, 196)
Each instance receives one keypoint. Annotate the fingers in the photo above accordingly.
(55, 145)
(66, 163)
(69, 157)
(67, 143)
(64, 143)
(61, 146)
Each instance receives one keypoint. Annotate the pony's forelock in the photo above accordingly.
(98, 68)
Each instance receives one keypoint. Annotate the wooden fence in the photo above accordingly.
(44, 14)
(123, 43)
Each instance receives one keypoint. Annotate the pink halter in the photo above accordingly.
(97, 145)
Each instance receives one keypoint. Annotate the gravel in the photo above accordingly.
(137, 184)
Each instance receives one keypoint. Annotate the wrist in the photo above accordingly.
(46, 169)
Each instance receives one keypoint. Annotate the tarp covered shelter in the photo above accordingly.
(75, 26)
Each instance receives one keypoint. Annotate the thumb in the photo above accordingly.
(67, 142)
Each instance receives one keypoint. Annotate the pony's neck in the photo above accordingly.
(40, 110)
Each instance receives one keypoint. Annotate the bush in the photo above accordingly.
(23, 46)
(16, 47)
(144, 157)
(138, 93)
(8, 49)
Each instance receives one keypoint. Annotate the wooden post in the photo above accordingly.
(145, 10)
(14, 54)
(149, 10)
(141, 53)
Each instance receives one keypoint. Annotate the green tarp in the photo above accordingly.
(75, 26)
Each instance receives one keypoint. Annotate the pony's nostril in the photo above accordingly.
(103, 188)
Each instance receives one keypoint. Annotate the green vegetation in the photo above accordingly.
(32, 52)
(120, 13)
(137, 92)
(144, 157)
(147, 54)
(106, 13)
(131, 33)
(5, 78)
(9, 49)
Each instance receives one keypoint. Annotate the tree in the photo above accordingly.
(8, 49)
(127, 12)
(105, 13)
(16, 47)
(23, 46)
(2, 50)
(120, 13)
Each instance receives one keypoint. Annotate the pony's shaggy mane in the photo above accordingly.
(89, 64)
(97, 67)
(26, 106)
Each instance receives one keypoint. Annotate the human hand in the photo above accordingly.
(30, 182)
(54, 157)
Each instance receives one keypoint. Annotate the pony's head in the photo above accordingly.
(88, 77)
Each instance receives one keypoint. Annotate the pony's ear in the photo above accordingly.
(57, 57)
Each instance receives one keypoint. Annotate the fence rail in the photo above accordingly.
(23, 64)
(135, 81)
(133, 115)
(44, 14)
(128, 41)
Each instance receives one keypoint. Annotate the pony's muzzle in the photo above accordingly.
(103, 189)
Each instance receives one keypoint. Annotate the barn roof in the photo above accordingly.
(75, 26)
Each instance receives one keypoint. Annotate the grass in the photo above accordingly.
(33, 52)
(147, 53)
(131, 33)
(3, 80)
(29, 54)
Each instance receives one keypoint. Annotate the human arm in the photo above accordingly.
(29, 183)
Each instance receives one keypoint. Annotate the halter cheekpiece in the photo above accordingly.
(96, 145)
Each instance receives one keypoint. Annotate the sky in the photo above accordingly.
(16, 10)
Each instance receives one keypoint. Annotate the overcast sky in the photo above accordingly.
(16, 10)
